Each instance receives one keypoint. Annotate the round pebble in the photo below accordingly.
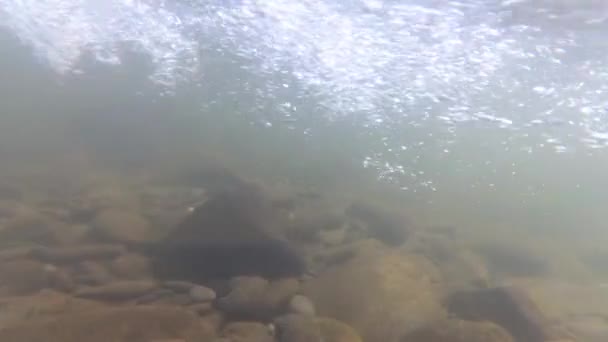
(301, 305)
(202, 294)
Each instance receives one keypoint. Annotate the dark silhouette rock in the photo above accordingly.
(229, 235)
(508, 307)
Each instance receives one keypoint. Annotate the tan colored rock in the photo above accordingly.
(213, 318)
(201, 294)
(299, 304)
(24, 224)
(297, 328)
(247, 332)
(382, 293)
(460, 331)
(256, 298)
(114, 325)
(121, 226)
(336, 331)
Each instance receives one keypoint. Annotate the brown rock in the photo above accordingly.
(227, 236)
(114, 325)
(121, 290)
(298, 328)
(33, 226)
(460, 331)
(299, 304)
(381, 293)
(116, 225)
(131, 266)
(42, 305)
(336, 331)
(256, 298)
(213, 318)
(247, 332)
(77, 254)
(508, 307)
(29, 225)
(201, 294)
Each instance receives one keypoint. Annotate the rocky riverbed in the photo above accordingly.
(232, 260)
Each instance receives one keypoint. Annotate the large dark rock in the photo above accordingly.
(509, 307)
(229, 235)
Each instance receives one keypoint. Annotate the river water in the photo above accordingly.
(487, 116)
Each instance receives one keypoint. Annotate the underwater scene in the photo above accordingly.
(303, 171)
